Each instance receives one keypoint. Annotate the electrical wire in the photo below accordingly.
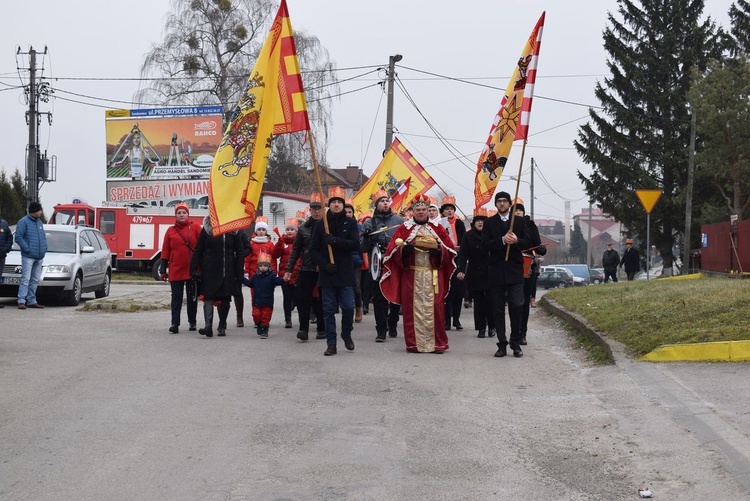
(372, 130)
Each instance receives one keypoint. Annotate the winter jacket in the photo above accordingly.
(631, 260)
(610, 259)
(343, 232)
(473, 261)
(263, 285)
(378, 221)
(301, 248)
(30, 237)
(259, 245)
(282, 251)
(218, 262)
(502, 272)
(177, 250)
(6, 238)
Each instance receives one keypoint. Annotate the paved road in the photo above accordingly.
(97, 405)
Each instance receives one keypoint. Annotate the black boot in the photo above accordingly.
(501, 349)
(493, 333)
(331, 350)
(457, 325)
(174, 329)
(348, 342)
(517, 351)
(288, 323)
(302, 335)
(481, 333)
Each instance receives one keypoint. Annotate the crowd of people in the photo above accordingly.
(418, 268)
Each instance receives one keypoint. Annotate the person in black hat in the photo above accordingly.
(506, 276)
(31, 239)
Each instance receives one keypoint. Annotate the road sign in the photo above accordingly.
(648, 198)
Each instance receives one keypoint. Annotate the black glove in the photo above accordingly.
(406, 251)
(163, 267)
(330, 268)
(195, 276)
(436, 254)
(329, 239)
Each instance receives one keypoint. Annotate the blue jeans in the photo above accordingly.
(333, 297)
(31, 272)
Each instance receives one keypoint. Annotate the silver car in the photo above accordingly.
(77, 261)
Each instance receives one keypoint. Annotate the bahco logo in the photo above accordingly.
(207, 125)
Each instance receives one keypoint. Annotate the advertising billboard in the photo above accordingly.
(162, 143)
(159, 193)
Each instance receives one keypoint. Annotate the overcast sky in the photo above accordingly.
(474, 41)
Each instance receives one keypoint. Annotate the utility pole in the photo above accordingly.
(689, 197)
(392, 60)
(589, 253)
(531, 188)
(33, 150)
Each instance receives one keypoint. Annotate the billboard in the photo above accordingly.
(162, 143)
(159, 193)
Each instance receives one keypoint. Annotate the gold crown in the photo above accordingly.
(301, 214)
(379, 194)
(449, 200)
(264, 257)
(261, 219)
(292, 221)
(336, 192)
(481, 212)
(423, 200)
(316, 198)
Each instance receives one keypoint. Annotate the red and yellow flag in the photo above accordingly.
(273, 103)
(397, 166)
(517, 99)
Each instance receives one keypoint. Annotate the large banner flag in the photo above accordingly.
(505, 128)
(399, 198)
(272, 103)
(397, 166)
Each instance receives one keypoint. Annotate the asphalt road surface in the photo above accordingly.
(98, 405)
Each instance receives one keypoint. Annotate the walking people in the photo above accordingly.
(472, 268)
(217, 263)
(332, 249)
(416, 274)
(259, 243)
(630, 260)
(530, 267)
(282, 251)
(610, 260)
(176, 252)
(6, 242)
(263, 284)
(32, 240)
(307, 278)
(455, 298)
(376, 237)
(358, 261)
(506, 276)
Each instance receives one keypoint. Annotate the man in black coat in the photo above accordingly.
(610, 260)
(630, 260)
(472, 267)
(506, 276)
(336, 278)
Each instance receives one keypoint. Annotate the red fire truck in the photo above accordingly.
(134, 233)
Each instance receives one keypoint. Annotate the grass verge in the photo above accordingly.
(646, 314)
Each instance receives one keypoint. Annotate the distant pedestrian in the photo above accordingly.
(630, 260)
(6, 242)
(610, 260)
(31, 239)
(176, 252)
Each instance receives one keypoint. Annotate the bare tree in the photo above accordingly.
(210, 47)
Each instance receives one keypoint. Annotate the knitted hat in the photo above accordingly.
(519, 206)
(502, 194)
(34, 207)
(261, 222)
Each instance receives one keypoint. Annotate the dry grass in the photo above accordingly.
(644, 315)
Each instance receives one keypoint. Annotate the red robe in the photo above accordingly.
(420, 286)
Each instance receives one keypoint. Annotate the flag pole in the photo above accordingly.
(320, 189)
(515, 197)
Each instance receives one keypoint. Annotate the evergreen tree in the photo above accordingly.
(640, 137)
(577, 250)
(739, 15)
(12, 197)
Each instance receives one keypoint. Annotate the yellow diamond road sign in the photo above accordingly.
(648, 198)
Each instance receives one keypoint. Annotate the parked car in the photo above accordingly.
(596, 275)
(555, 279)
(559, 267)
(579, 270)
(78, 260)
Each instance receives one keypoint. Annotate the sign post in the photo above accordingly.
(648, 199)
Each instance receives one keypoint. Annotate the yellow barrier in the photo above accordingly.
(721, 351)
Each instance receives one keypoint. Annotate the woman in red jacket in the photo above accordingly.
(281, 251)
(176, 252)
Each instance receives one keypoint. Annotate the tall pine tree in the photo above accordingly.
(640, 137)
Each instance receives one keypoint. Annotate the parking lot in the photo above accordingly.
(101, 405)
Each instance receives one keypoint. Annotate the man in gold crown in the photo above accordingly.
(332, 248)
(377, 234)
(416, 274)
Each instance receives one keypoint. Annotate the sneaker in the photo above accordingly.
(380, 338)
(264, 332)
(174, 329)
